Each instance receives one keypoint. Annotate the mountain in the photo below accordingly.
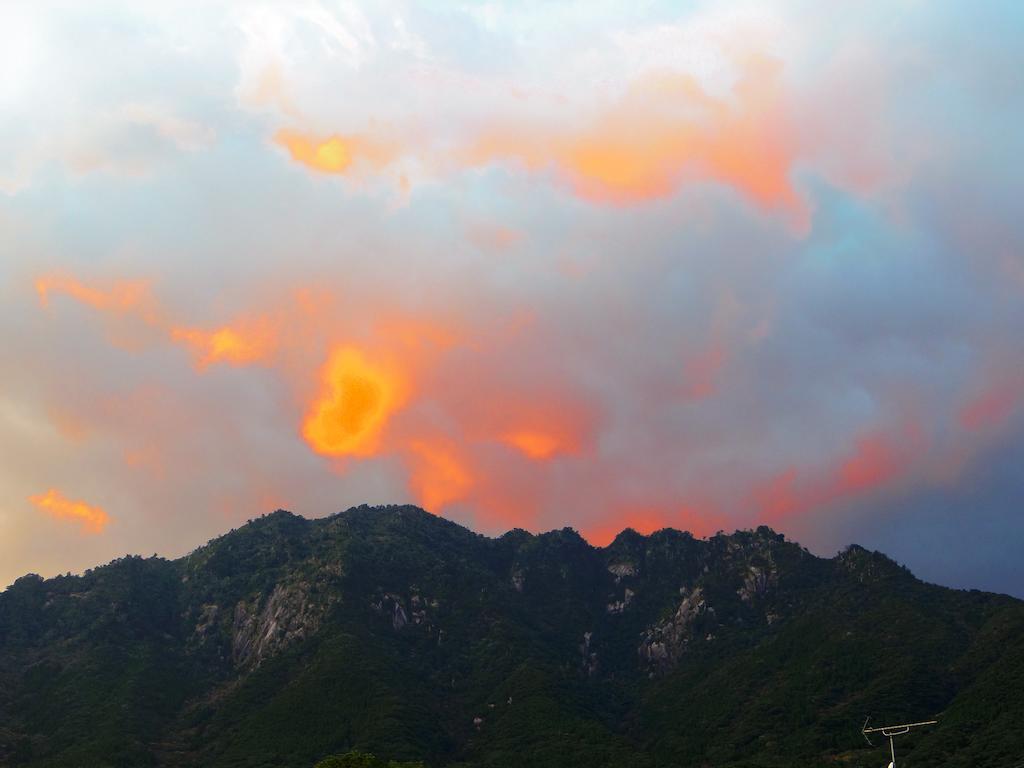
(396, 632)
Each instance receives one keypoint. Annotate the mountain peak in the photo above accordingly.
(868, 564)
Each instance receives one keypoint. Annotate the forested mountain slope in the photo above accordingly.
(403, 634)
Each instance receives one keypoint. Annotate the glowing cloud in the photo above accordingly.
(439, 476)
(248, 340)
(121, 297)
(541, 430)
(53, 502)
(991, 408)
(242, 344)
(665, 131)
(536, 445)
(332, 154)
(645, 521)
(355, 401)
(878, 459)
(582, 307)
(542, 422)
(648, 519)
(875, 462)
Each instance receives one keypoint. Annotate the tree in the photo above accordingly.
(356, 759)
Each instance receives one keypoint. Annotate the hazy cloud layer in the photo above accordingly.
(525, 264)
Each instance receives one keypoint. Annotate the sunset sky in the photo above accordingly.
(526, 264)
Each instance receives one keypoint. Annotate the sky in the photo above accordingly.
(525, 264)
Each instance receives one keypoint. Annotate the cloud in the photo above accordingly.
(54, 503)
(598, 266)
(646, 519)
(333, 154)
(438, 475)
(877, 459)
(535, 444)
(993, 407)
(248, 341)
(121, 297)
(665, 131)
(357, 398)
(132, 140)
(644, 125)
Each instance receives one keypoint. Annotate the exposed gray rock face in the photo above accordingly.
(394, 606)
(619, 606)
(267, 624)
(416, 611)
(662, 645)
(589, 656)
(399, 618)
(619, 570)
(518, 580)
(758, 582)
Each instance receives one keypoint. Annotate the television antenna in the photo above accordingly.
(891, 731)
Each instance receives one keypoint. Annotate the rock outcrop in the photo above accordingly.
(663, 644)
(266, 624)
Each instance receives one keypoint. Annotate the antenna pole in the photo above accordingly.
(891, 731)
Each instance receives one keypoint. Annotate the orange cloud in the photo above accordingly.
(991, 408)
(874, 462)
(877, 460)
(439, 476)
(129, 311)
(540, 422)
(701, 521)
(147, 457)
(551, 424)
(332, 154)
(92, 519)
(121, 297)
(356, 399)
(69, 424)
(248, 341)
(665, 131)
(778, 497)
(418, 337)
(645, 521)
(535, 445)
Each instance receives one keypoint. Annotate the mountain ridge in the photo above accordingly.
(392, 630)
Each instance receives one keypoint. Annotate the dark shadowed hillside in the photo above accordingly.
(403, 634)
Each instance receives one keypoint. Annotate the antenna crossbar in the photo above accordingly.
(896, 730)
